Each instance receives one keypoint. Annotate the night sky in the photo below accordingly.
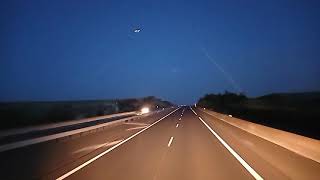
(72, 49)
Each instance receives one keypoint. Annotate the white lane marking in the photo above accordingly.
(97, 146)
(236, 155)
(110, 149)
(193, 111)
(170, 141)
(179, 119)
(90, 148)
(177, 125)
(134, 128)
(136, 123)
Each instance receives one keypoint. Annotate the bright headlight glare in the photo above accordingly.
(145, 110)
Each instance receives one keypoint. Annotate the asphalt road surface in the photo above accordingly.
(181, 143)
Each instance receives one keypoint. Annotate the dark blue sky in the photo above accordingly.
(62, 50)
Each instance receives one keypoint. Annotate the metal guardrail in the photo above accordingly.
(70, 134)
(25, 130)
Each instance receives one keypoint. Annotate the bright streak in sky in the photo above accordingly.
(228, 77)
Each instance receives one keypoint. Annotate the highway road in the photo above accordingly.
(181, 143)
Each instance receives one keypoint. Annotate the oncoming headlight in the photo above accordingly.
(145, 110)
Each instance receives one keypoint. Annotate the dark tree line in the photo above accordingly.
(221, 101)
(293, 112)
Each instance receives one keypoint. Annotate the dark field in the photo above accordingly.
(293, 112)
(21, 114)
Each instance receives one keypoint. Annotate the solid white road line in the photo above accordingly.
(193, 111)
(242, 161)
(177, 125)
(136, 123)
(135, 128)
(110, 149)
(97, 146)
(170, 141)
